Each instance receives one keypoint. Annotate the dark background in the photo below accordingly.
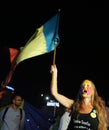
(83, 51)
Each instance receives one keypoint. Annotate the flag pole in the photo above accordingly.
(54, 54)
(56, 40)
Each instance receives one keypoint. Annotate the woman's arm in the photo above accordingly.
(54, 90)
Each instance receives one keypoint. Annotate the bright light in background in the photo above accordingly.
(53, 103)
(47, 98)
(42, 95)
(10, 88)
(49, 101)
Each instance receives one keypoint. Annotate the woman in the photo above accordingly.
(88, 110)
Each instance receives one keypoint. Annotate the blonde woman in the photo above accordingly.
(88, 109)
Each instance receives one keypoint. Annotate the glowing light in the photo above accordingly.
(10, 88)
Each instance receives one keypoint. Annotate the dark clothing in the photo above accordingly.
(81, 121)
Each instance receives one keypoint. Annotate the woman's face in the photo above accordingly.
(86, 89)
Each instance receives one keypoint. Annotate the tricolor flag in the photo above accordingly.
(42, 41)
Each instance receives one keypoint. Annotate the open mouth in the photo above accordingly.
(84, 91)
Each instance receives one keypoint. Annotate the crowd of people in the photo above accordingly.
(88, 111)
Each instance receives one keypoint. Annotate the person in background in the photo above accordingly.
(65, 119)
(88, 109)
(57, 117)
(14, 118)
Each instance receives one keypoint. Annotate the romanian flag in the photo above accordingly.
(42, 41)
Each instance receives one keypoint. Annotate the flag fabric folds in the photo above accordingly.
(13, 55)
(42, 41)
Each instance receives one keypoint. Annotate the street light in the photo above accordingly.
(47, 98)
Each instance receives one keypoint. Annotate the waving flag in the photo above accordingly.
(42, 41)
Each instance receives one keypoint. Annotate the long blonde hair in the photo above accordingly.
(97, 103)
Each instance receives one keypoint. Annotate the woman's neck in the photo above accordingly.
(86, 106)
(86, 101)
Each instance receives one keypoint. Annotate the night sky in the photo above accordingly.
(83, 51)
